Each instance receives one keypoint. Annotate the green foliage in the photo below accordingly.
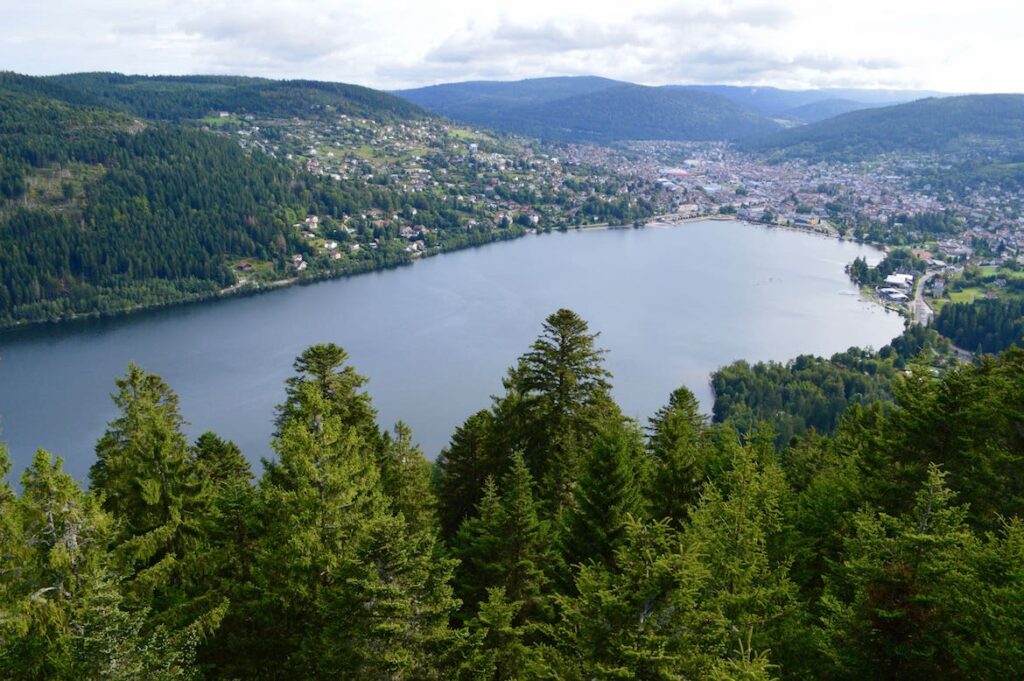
(988, 325)
(892, 548)
(607, 497)
(968, 125)
(593, 110)
(678, 442)
(507, 546)
(811, 392)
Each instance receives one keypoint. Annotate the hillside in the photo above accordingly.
(178, 98)
(592, 110)
(100, 211)
(777, 101)
(970, 125)
(104, 210)
(821, 110)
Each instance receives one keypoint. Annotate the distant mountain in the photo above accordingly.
(592, 109)
(969, 125)
(780, 102)
(826, 108)
(480, 97)
(177, 98)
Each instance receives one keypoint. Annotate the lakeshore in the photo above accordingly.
(672, 304)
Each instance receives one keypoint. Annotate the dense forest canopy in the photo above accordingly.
(183, 98)
(968, 126)
(104, 212)
(589, 109)
(555, 538)
(984, 325)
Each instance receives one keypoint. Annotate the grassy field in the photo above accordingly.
(967, 295)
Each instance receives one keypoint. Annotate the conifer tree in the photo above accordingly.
(556, 399)
(507, 545)
(641, 616)
(462, 469)
(498, 647)
(607, 498)
(907, 590)
(71, 623)
(749, 592)
(406, 477)
(218, 461)
(350, 589)
(146, 480)
(677, 444)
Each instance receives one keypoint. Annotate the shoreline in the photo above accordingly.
(257, 288)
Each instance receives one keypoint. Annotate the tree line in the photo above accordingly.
(554, 538)
(987, 325)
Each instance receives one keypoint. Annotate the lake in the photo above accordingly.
(672, 305)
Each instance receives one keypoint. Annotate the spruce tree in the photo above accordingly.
(641, 616)
(556, 398)
(406, 477)
(70, 619)
(463, 467)
(146, 479)
(507, 545)
(607, 498)
(677, 444)
(349, 588)
(749, 596)
(905, 599)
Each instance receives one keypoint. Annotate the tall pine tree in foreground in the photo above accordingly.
(147, 481)
(557, 398)
(349, 587)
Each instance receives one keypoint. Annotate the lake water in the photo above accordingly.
(672, 304)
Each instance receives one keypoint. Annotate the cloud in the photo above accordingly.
(394, 43)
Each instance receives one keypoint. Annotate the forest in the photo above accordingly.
(813, 393)
(987, 325)
(553, 538)
(977, 127)
(101, 213)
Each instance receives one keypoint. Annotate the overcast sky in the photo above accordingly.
(937, 44)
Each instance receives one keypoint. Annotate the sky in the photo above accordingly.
(389, 44)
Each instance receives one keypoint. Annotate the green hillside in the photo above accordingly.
(966, 126)
(179, 98)
(593, 110)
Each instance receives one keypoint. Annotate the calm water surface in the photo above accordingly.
(671, 303)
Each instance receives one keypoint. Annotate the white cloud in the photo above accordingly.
(937, 44)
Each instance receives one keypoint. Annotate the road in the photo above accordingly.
(920, 313)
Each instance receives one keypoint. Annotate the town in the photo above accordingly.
(967, 241)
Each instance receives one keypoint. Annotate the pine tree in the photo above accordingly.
(607, 498)
(556, 398)
(146, 480)
(462, 469)
(677, 444)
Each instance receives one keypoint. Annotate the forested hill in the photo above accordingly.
(100, 211)
(593, 110)
(103, 212)
(971, 125)
(178, 98)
